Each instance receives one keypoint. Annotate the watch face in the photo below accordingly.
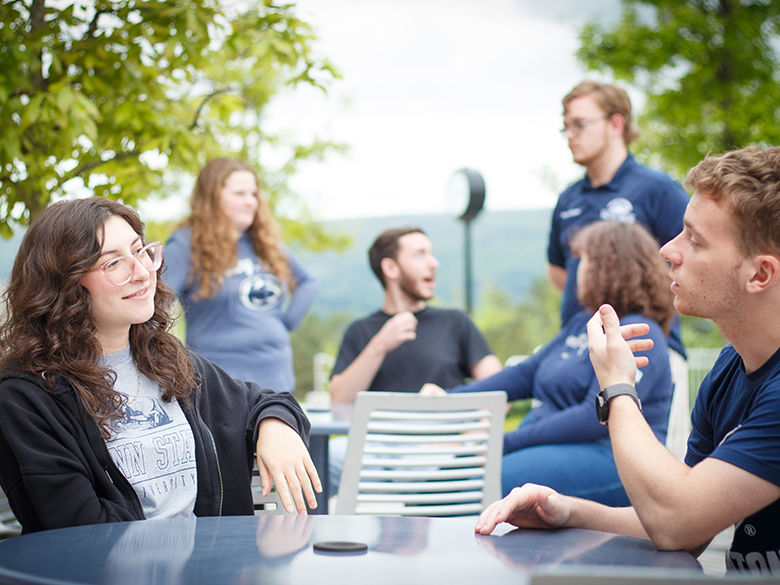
(602, 408)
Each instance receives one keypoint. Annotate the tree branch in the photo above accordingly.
(37, 12)
(94, 23)
(88, 167)
(203, 103)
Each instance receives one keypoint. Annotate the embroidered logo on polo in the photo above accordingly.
(569, 213)
(618, 209)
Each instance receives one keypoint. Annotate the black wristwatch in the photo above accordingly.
(608, 393)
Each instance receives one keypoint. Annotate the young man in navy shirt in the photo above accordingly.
(598, 126)
(725, 266)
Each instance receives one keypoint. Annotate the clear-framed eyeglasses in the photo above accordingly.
(120, 270)
(576, 128)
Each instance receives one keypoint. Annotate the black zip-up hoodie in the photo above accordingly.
(56, 470)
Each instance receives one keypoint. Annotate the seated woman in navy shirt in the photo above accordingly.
(560, 443)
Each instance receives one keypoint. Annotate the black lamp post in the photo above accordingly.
(466, 193)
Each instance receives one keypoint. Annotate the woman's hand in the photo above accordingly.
(529, 506)
(283, 461)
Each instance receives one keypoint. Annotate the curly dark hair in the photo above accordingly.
(48, 327)
(625, 270)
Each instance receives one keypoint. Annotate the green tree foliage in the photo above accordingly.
(316, 334)
(699, 332)
(709, 69)
(513, 328)
(119, 98)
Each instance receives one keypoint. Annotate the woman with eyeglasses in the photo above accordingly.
(241, 289)
(104, 415)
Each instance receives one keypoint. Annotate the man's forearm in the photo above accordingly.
(595, 516)
(680, 507)
(486, 367)
(651, 475)
(557, 275)
(358, 375)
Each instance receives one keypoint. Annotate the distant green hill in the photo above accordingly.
(508, 252)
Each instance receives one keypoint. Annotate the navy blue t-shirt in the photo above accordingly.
(736, 419)
(636, 194)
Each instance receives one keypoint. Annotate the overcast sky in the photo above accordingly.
(430, 86)
(434, 85)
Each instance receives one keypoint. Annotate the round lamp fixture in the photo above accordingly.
(466, 194)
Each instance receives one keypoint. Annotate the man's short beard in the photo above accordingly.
(407, 287)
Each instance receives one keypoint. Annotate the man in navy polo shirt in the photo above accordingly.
(598, 126)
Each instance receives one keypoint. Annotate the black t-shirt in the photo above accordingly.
(447, 346)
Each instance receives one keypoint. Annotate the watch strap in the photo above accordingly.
(603, 398)
(619, 389)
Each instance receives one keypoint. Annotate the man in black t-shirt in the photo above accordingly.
(406, 343)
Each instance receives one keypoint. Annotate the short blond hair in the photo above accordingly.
(749, 180)
(610, 98)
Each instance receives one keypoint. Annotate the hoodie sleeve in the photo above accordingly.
(50, 463)
(233, 408)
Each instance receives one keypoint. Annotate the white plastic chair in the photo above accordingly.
(687, 377)
(679, 425)
(270, 504)
(416, 455)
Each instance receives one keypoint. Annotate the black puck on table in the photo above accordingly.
(340, 546)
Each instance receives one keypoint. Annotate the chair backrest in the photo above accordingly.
(270, 504)
(9, 526)
(416, 455)
(679, 425)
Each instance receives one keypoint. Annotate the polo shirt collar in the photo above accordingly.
(616, 183)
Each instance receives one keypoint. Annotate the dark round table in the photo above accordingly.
(276, 549)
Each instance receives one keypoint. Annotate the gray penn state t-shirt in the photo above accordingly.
(152, 445)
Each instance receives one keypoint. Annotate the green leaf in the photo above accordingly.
(5, 230)
(708, 71)
(64, 99)
(189, 80)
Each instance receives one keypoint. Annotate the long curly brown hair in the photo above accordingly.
(214, 248)
(625, 270)
(48, 327)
